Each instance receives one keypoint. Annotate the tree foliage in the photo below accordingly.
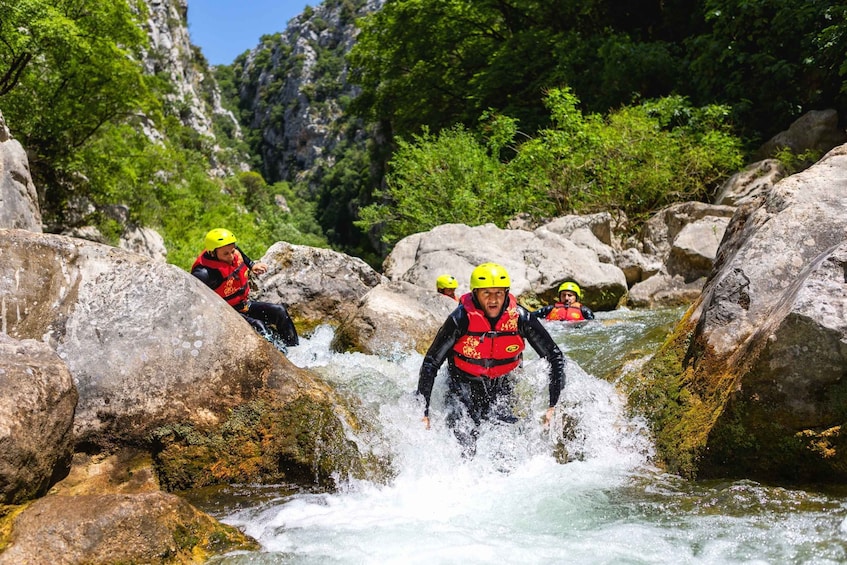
(73, 89)
(634, 160)
(440, 62)
(68, 68)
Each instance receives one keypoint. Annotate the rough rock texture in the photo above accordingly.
(396, 316)
(317, 285)
(154, 352)
(537, 262)
(18, 197)
(36, 418)
(105, 529)
(816, 130)
(751, 183)
(293, 100)
(752, 384)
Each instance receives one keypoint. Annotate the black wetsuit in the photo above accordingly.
(481, 397)
(265, 317)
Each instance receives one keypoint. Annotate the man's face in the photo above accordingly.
(567, 296)
(226, 253)
(491, 300)
(451, 292)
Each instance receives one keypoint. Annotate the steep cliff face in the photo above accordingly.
(294, 86)
(195, 98)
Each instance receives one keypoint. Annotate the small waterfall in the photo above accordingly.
(583, 491)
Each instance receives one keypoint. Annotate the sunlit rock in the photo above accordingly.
(150, 527)
(752, 382)
(316, 285)
(395, 316)
(36, 417)
(537, 262)
(18, 197)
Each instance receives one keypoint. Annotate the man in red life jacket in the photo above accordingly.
(568, 308)
(224, 268)
(447, 285)
(483, 338)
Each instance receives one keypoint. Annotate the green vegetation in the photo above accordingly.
(636, 160)
(100, 132)
(464, 111)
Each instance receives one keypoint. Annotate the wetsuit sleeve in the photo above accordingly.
(207, 276)
(587, 313)
(541, 313)
(441, 346)
(531, 329)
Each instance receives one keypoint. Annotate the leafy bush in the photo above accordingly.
(448, 178)
(636, 159)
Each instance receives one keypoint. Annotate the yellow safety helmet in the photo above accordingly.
(218, 237)
(571, 286)
(490, 275)
(446, 281)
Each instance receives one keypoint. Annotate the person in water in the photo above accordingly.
(224, 268)
(483, 338)
(568, 308)
(447, 285)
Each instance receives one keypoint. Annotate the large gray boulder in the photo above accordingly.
(317, 285)
(146, 342)
(816, 130)
(750, 183)
(393, 317)
(668, 262)
(537, 262)
(154, 353)
(18, 197)
(762, 352)
(36, 418)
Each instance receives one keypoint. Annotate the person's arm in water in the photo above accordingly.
(542, 312)
(436, 354)
(539, 338)
(587, 313)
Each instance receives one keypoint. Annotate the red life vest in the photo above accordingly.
(572, 313)
(235, 286)
(487, 352)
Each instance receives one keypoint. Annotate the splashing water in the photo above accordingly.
(583, 491)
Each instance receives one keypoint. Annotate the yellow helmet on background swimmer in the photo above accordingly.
(490, 275)
(446, 281)
(571, 286)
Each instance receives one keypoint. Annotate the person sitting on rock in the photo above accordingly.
(224, 268)
(447, 285)
(568, 308)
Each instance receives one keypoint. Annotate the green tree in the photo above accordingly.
(771, 60)
(68, 68)
(439, 179)
(441, 62)
(636, 159)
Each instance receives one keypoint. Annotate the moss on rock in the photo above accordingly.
(266, 441)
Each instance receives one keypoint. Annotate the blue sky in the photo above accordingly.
(224, 29)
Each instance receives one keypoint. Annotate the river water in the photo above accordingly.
(584, 491)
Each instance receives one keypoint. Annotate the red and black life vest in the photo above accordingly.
(487, 352)
(572, 313)
(235, 286)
